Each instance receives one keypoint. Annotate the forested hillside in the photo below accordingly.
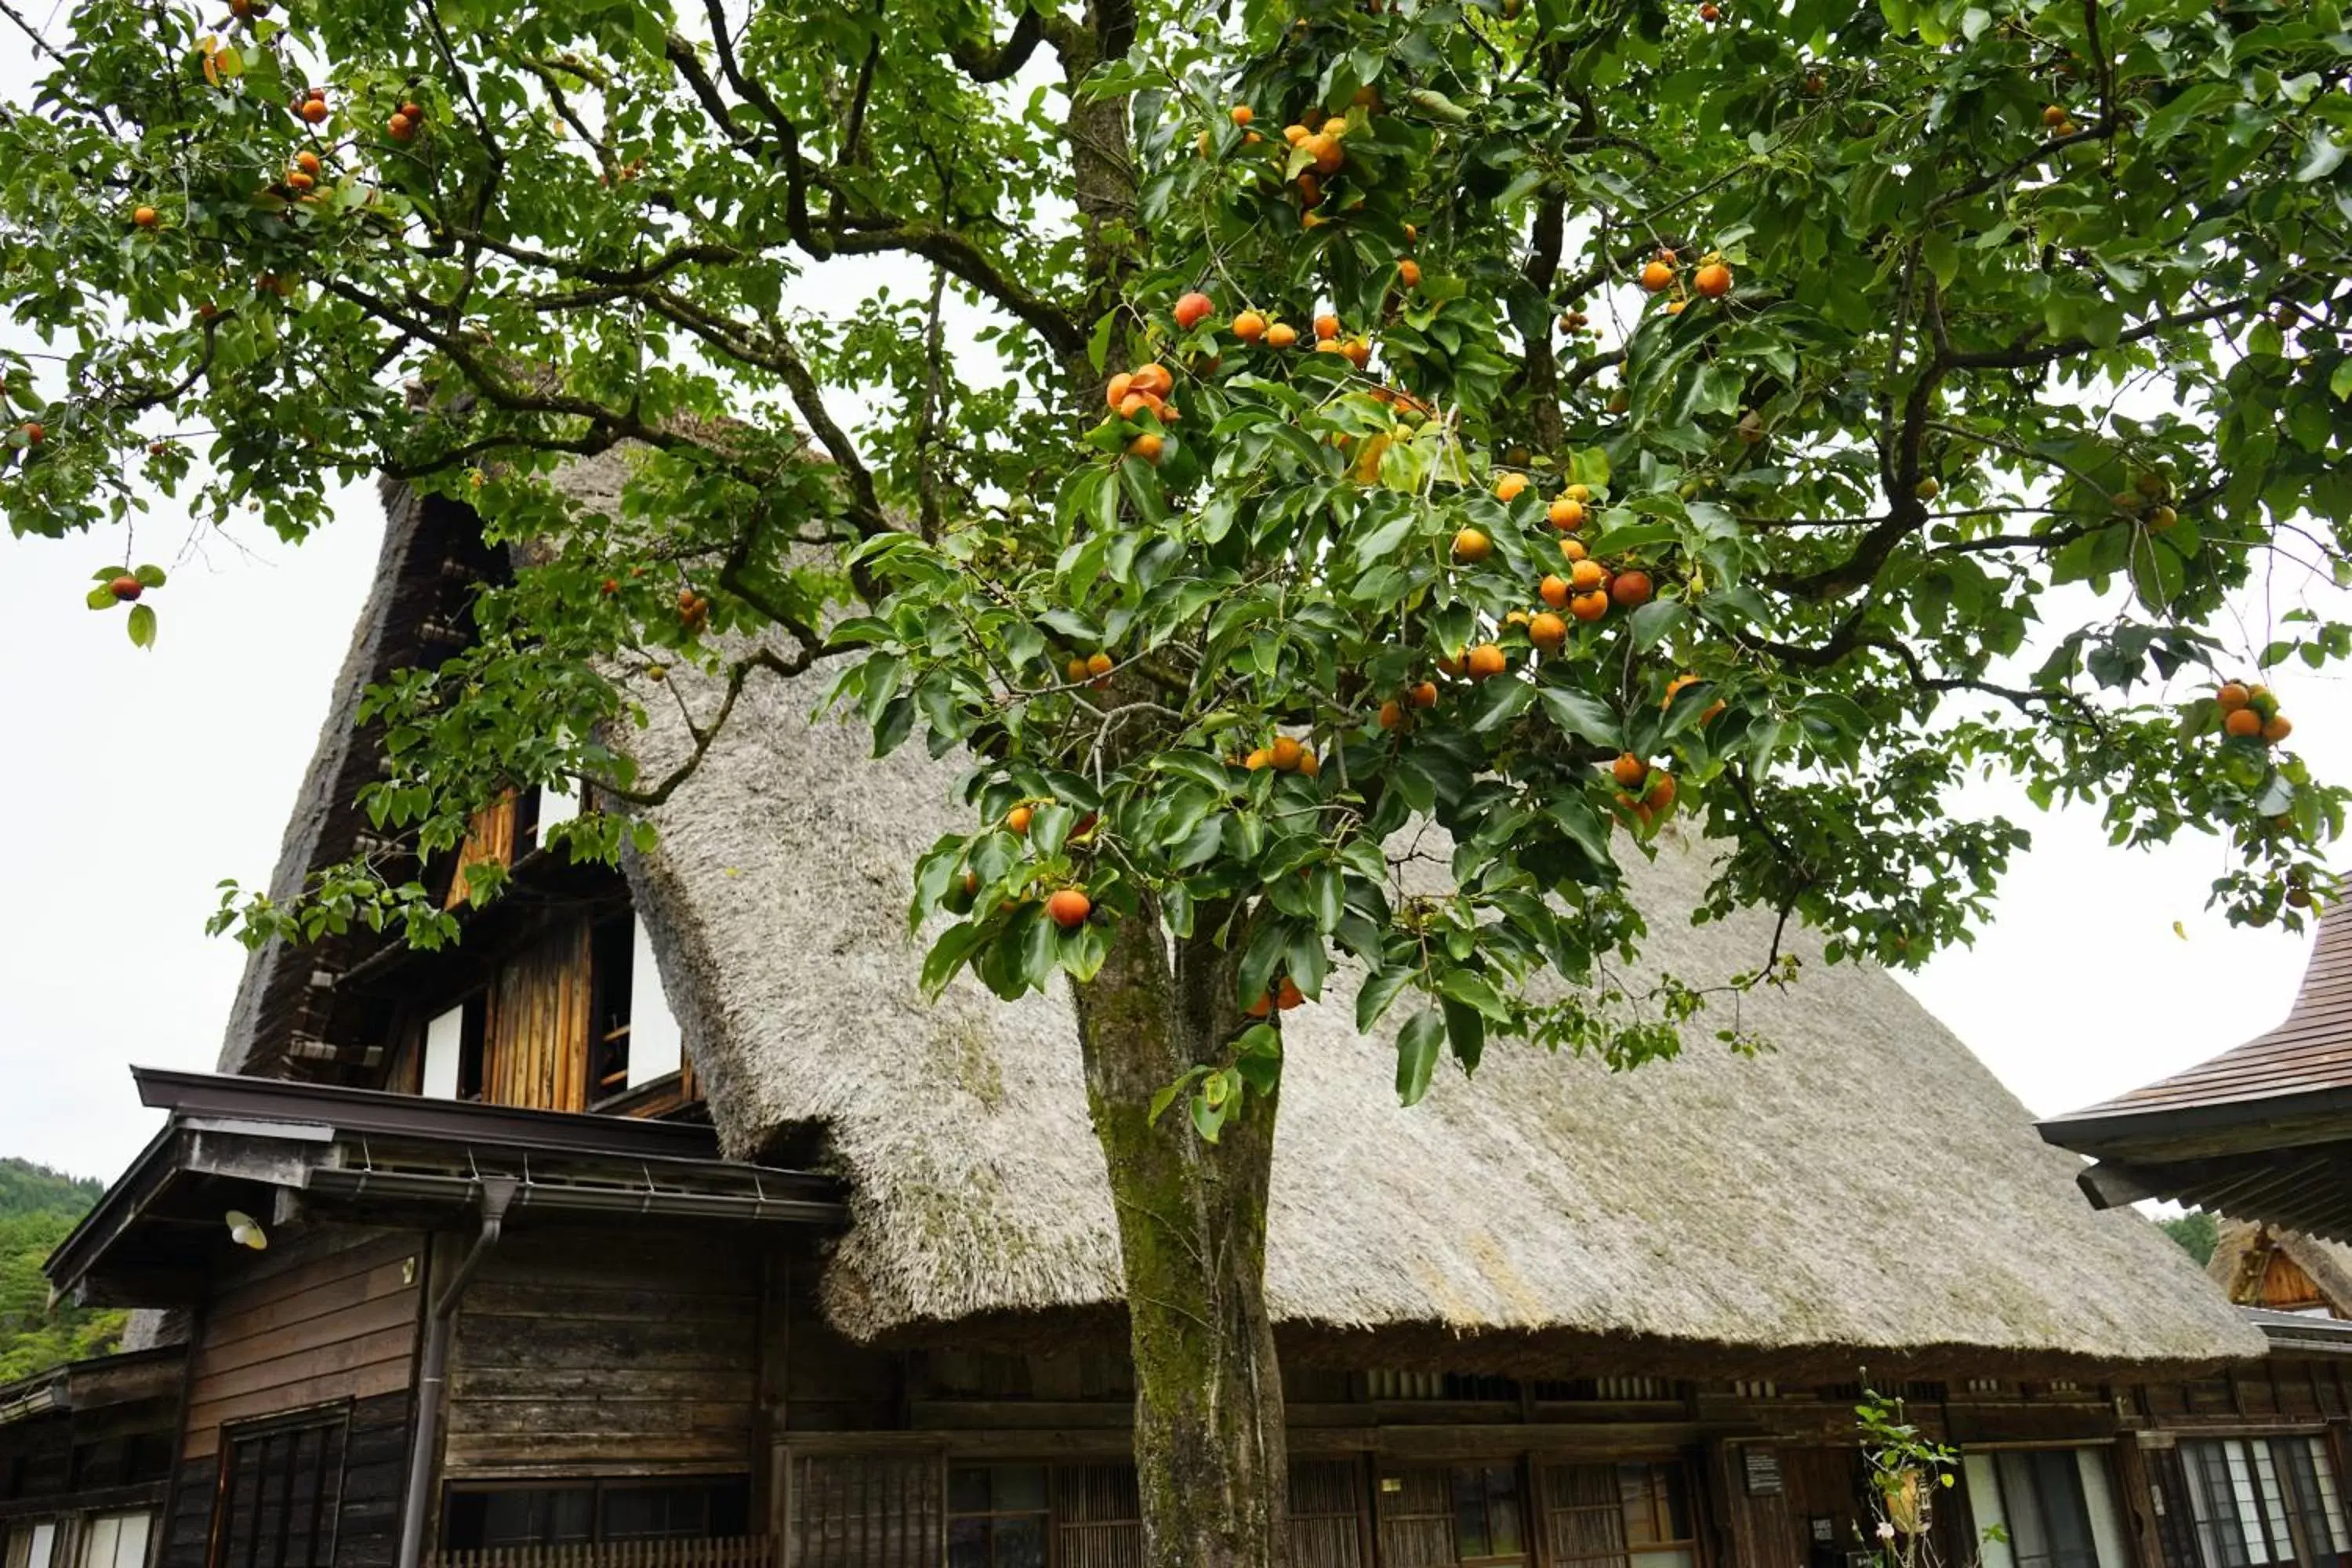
(37, 1207)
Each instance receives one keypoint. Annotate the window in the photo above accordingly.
(31, 1544)
(1658, 1530)
(2055, 1506)
(997, 1515)
(2264, 1500)
(453, 1050)
(636, 1039)
(114, 1541)
(1487, 1518)
(572, 1513)
(548, 804)
(280, 1487)
(612, 961)
(2042, 1499)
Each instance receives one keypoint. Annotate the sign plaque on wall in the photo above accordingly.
(1762, 1466)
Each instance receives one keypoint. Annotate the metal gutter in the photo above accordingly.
(591, 1197)
(433, 1370)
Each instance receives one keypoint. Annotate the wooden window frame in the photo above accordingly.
(2074, 1453)
(1661, 1509)
(1046, 1513)
(2298, 1513)
(1521, 1490)
(596, 1487)
(334, 1418)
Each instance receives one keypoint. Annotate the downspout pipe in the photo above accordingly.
(433, 1370)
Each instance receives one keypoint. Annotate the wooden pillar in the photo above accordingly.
(2137, 1492)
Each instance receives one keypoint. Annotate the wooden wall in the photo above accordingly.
(587, 1350)
(327, 1317)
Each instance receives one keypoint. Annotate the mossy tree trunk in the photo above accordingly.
(1209, 1447)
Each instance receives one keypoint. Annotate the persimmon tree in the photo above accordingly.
(1400, 454)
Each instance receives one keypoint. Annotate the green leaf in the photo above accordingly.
(1466, 1033)
(1417, 1045)
(1167, 1097)
(1472, 990)
(141, 626)
(1379, 990)
(1583, 715)
(148, 577)
(100, 598)
(1654, 620)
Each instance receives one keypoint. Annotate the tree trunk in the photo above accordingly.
(1210, 1458)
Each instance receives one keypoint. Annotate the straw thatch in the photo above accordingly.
(1866, 1192)
(2241, 1258)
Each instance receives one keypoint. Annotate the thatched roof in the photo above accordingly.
(2245, 1250)
(1866, 1193)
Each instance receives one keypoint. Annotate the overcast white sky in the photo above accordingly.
(133, 783)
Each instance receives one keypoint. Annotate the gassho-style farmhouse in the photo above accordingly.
(661, 1224)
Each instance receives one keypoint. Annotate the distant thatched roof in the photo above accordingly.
(2244, 1251)
(1866, 1193)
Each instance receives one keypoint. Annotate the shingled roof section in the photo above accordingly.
(2260, 1132)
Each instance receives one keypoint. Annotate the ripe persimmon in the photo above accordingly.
(1295, 134)
(1424, 695)
(1471, 546)
(1192, 309)
(1281, 335)
(1658, 276)
(1587, 575)
(1116, 392)
(1391, 716)
(1712, 280)
(1153, 377)
(1016, 821)
(1100, 664)
(1629, 771)
(1070, 908)
(1553, 591)
(1546, 631)
(1148, 446)
(314, 109)
(1286, 753)
(1631, 590)
(2231, 697)
(1409, 273)
(1327, 326)
(2276, 729)
(1566, 514)
(1589, 606)
(1259, 759)
(2243, 722)
(1573, 549)
(1508, 486)
(1249, 326)
(1242, 113)
(400, 128)
(1488, 659)
(1660, 795)
(1326, 152)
